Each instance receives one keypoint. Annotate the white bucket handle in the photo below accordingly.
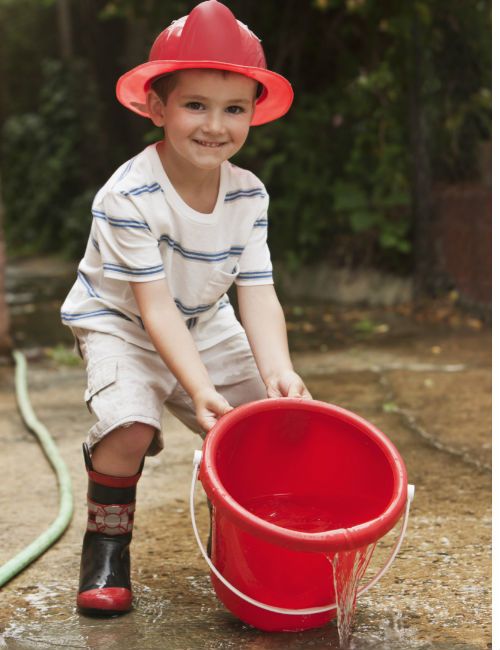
(282, 610)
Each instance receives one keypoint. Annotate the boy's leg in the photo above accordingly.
(126, 390)
(105, 563)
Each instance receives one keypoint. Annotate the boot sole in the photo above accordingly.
(101, 613)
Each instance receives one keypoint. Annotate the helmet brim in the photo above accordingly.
(276, 99)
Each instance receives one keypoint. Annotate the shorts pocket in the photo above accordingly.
(218, 283)
(100, 376)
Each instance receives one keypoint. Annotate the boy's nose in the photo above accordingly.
(214, 123)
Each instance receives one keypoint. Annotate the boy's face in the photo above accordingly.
(206, 117)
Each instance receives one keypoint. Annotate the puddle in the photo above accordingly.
(45, 617)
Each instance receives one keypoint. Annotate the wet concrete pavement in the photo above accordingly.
(428, 389)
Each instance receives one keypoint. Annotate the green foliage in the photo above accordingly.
(337, 174)
(47, 161)
(365, 326)
(461, 45)
(76, 224)
(295, 160)
(26, 37)
(150, 10)
(338, 167)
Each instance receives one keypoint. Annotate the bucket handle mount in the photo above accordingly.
(282, 610)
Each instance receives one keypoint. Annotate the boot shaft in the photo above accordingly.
(110, 500)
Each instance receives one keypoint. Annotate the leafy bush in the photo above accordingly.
(337, 174)
(49, 159)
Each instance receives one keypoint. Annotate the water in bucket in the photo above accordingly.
(301, 492)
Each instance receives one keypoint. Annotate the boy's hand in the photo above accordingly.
(209, 406)
(287, 384)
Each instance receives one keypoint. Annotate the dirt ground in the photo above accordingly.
(427, 385)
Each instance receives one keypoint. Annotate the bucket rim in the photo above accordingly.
(333, 540)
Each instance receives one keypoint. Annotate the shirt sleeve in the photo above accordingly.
(128, 248)
(255, 261)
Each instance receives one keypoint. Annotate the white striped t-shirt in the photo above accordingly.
(142, 230)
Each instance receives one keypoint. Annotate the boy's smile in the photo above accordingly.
(206, 119)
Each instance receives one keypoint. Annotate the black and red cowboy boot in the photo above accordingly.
(105, 566)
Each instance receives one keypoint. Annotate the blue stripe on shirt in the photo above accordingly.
(127, 168)
(253, 275)
(127, 223)
(222, 304)
(118, 268)
(68, 316)
(240, 194)
(98, 214)
(200, 256)
(87, 284)
(191, 311)
(136, 191)
(120, 223)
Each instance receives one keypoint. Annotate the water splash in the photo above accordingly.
(348, 569)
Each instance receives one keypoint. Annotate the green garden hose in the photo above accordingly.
(31, 552)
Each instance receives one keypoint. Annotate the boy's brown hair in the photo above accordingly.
(164, 85)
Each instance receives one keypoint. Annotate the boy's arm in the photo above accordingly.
(264, 322)
(175, 345)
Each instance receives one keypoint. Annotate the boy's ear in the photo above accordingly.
(156, 108)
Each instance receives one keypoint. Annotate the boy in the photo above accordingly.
(173, 228)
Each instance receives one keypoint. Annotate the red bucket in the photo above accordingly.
(292, 482)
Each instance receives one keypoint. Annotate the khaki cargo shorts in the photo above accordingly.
(126, 383)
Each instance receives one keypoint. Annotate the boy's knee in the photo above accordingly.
(131, 439)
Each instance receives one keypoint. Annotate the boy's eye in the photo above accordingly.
(195, 106)
(235, 110)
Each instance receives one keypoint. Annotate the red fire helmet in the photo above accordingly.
(209, 37)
